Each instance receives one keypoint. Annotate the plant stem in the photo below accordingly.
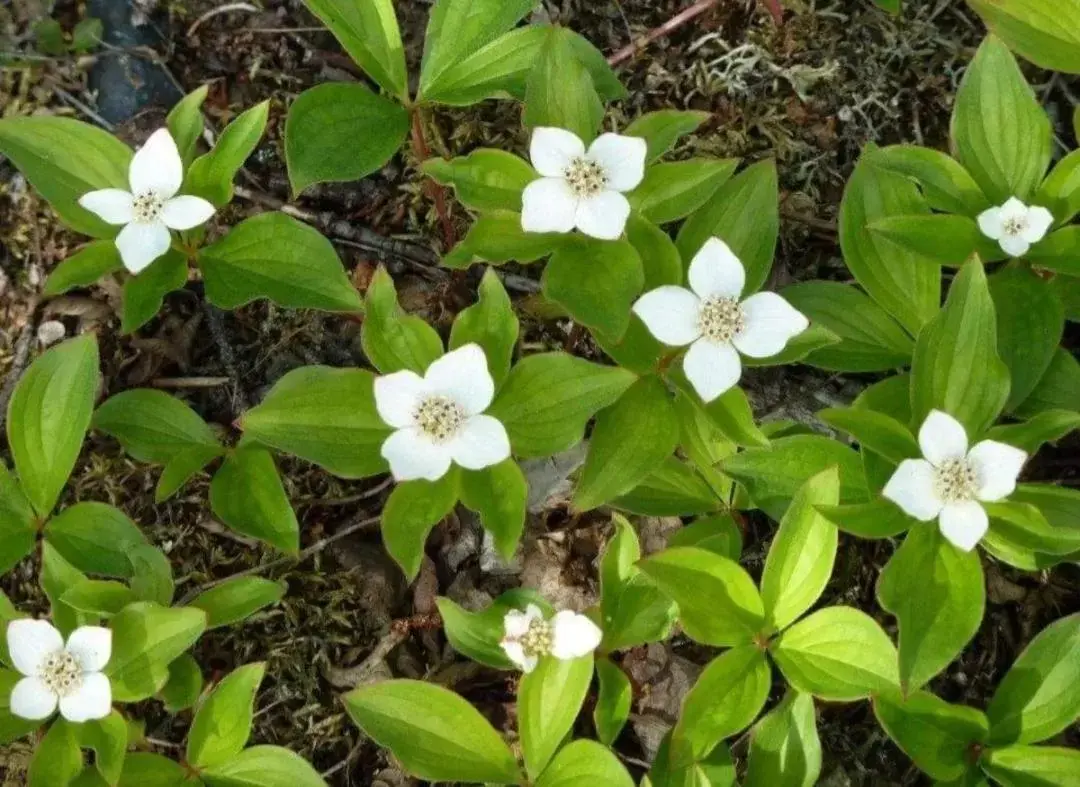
(435, 191)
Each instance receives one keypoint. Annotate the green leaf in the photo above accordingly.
(956, 367)
(274, 256)
(785, 750)
(663, 129)
(814, 338)
(1048, 36)
(151, 770)
(945, 183)
(237, 599)
(484, 180)
(1032, 766)
(12, 727)
(633, 611)
(732, 415)
(944, 238)
(585, 762)
(476, 635)
(18, 523)
(247, 495)
(802, 553)
(1060, 192)
(58, 577)
(144, 294)
(613, 701)
(674, 489)
(490, 323)
(146, 639)
(717, 533)
(560, 91)
(1024, 526)
(674, 190)
(874, 431)
(185, 122)
(84, 267)
(152, 426)
(879, 518)
(1059, 251)
(744, 213)
(458, 28)
(151, 575)
(223, 721)
(741, 676)
(839, 654)
(49, 37)
(100, 598)
(548, 701)
(326, 416)
(718, 601)
(497, 69)
(1059, 505)
(108, 737)
(411, 511)
(1048, 426)
(369, 33)
(392, 339)
(1057, 388)
(57, 758)
(999, 131)
(497, 237)
(499, 494)
(341, 131)
(48, 416)
(64, 159)
(548, 398)
(939, 737)
(210, 176)
(264, 766)
(937, 594)
(184, 686)
(596, 282)
(1040, 694)
(182, 467)
(434, 733)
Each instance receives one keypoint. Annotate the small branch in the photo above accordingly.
(434, 190)
(670, 26)
(189, 382)
(221, 9)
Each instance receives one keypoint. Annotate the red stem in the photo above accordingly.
(435, 191)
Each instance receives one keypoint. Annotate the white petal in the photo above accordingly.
(397, 396)
(156, 166)
(942, 437)
(671, 314)
(991, 224)
(623, 160)
(412, 455)
(141, 244)
(516, 624)
(548, 205)
(1039, 220)
(533, 612)
(30, 642)
(32, 699)
(91, 646)
(573, 635)
(913, 488)
(516, 654)
(1014, 245)
(185, 212)
(771, 322)
(715, 271)
(997, 466)
(603, 216)
(92, 700)
(114, 206)
(963, 524)
(463, 375)
(552, 150)
(483, 442)
(711, 368)
(1013, 210)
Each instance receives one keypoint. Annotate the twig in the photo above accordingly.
(189, 382)
(221, 9)
(670, 26)
(69, 99)
(20, 358)
(434, 190)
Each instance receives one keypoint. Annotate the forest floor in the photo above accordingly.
(810, 93)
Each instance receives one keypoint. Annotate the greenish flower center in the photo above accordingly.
(440, 418)
(586, 177)
(147, 207)
(538, 639)
(62, 674)
(956, 481)
(721, 319)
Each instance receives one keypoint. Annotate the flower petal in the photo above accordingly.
(603, 216)
(963, 524)
(91, 646)
(533, 612)
(1013, 210)
(552, 150)
(712, 368)
(913, 487)
(1014, 245)
(156, 166)
(32, 699)
(623, 159)
(516, 623)
(1039, 220)
(997, 466)
(942, 437)
(92, 700)
(715, 271)
(141, 244)
(671, 314)
(548, 205)
(991, 224)
(114, 206)
(397, 396)
(516, 653)
(30, 642)
(463, 375)
(573, 635)
(771, 322)
(412, 455)
(482, 443)
(185, 212)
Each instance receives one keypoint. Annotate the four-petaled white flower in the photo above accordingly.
(1015, 226)
(152, 207)
(950, 481)
(57, 674)
(438, 417)
(717, 326)
(529, 637)
(581, 188)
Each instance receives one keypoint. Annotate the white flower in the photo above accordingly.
(438, 417)
(711, 319)
(951, 480)
(581, 189)
(69, 675)
(152, 208)
(528, 637)
(1015, 226)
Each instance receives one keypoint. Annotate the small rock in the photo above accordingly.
(549, 479)
(654, 532)
(491, 562)
(50, 332)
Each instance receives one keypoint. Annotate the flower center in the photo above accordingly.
(62, 673)
(440, 418)
(586, 177)
(721, 319)
(147, 207)
(956, 481)
(538, 639)
(1014, 225)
